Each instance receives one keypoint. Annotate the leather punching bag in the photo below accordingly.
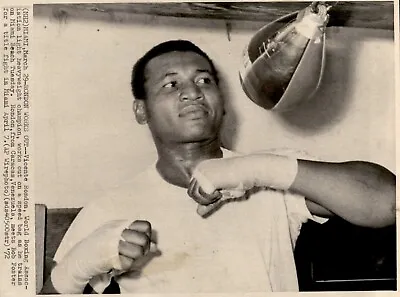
(283, 64)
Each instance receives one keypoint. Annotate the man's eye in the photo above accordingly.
(204, 80)
(170, 84)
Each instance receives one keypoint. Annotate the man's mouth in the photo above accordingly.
(193, 111)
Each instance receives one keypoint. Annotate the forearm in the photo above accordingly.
(48, 288)
(359, 192)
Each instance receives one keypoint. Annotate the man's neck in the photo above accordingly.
(176, 162)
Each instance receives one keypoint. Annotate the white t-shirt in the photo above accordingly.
(245, 246)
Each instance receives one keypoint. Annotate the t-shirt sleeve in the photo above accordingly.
(298, 213)
(297, 210)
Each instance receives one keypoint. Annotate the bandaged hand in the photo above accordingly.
(116, 245)
(236, 175)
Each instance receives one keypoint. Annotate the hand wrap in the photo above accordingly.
(235, 175)
(94, 255)
(246, 172)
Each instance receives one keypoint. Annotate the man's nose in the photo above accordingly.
(191, 92)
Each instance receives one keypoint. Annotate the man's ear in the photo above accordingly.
(139, 108)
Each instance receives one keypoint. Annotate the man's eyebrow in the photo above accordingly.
(160, 76)
(170, 73)
(203, 70)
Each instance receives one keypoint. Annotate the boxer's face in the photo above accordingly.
(183, 103)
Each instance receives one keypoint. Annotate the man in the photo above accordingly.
(149, 237)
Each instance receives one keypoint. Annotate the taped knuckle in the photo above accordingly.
(141, 225)
(135, 237)
(190, 189)
(206, 199)
(126, 262)
(139, 250)
(198, 198)
(130, 250)
(142, 239)
(210, 197)
(202, 201)
(122, 247)
(126, 234)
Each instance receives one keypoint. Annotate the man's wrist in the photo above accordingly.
(66, 280)
(275, 171)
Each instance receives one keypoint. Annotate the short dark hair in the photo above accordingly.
(138, 79)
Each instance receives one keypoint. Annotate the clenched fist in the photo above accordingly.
(116, 245)
(135, 244)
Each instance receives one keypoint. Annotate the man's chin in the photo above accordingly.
(201, 136)
(199, 131)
